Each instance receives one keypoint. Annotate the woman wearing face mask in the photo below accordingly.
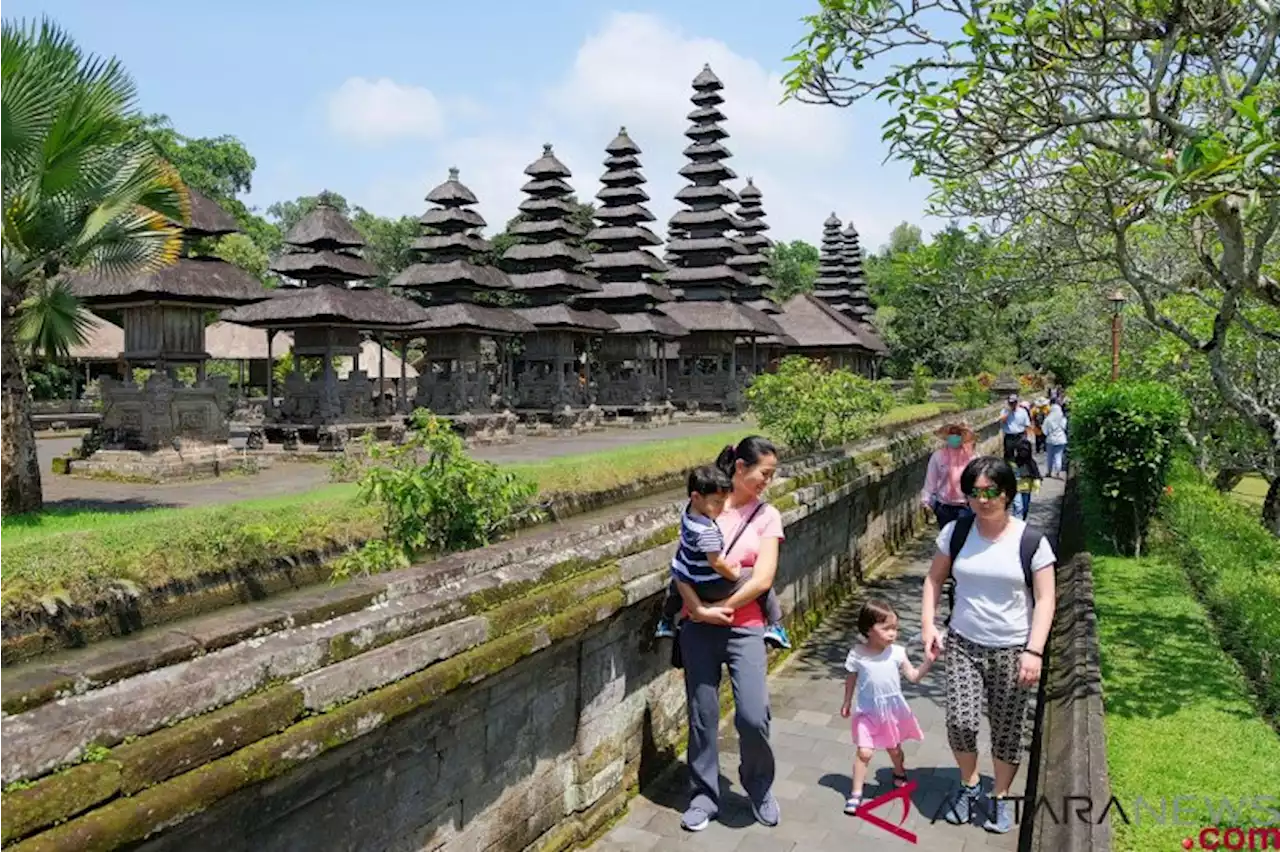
(942, 494)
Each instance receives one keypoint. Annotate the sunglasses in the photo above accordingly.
(989, 493)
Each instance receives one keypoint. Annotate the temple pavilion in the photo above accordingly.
(553, 370)
(467, 365)
(632, 358)
(163, 315)
(708, 372)
(327, 319)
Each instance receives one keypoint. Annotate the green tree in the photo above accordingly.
(1147, 147)
(51, 320)
(904, 237)
(793, 268)
(80, 191)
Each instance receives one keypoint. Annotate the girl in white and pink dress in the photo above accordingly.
(882, 719)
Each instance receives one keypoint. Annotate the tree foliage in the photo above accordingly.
(809, 405)
(793, 269)
(1127, 142)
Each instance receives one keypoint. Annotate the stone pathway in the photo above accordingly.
(296, 477)
(814, 751)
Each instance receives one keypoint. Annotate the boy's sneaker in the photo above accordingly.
(695, 819)
(776, 635)
(665, 630)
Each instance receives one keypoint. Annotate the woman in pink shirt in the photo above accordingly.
(942, 494)
(731, 633)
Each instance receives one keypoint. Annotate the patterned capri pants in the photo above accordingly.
(978, 675)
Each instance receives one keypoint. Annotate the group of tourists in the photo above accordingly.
(721, 610)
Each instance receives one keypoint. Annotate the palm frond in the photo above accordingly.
(51, 320)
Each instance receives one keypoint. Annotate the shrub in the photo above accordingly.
(809, 406)
(1124, 435)
(986, 380)
(433, 497)
(921, 385)
(971, 393)
(1234, 564)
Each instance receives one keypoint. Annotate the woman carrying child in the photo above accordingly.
(881, 717)
(731, 632)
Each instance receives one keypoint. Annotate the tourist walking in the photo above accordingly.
(882, 719)
(1014, 422)
(996, 634)
(1055, 437)
(1029, 479)
(942, 494)
(731, 632)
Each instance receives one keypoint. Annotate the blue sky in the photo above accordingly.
(376, 100)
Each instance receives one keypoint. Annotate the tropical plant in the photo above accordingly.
(971, 392)
(921, 385)
(809, 406)
(51, 320)
(80, 191)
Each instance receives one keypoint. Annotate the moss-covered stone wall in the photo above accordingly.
(509, 709)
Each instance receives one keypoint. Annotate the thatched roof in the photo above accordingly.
(324, 227)
(555, 251)
(720, 316)
(707, 80)
(104, 341)
(458, 273)
(305, 265)
(618, 290)
(565, 317)
(815, 325)
(547, 166)
(649, 323)
(198, 280)
(622, 144)
(452, 193)
(559, 279)
(328, 305)
(208, 219)
(466, 316)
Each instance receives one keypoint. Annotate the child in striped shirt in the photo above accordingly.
(701, 563)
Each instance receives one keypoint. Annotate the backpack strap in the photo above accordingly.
(1027, 548)
(737, 535)
(959, 533)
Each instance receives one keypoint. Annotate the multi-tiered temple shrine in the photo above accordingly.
(467, 364)
(708, 372)
(553, 371)
(632, 359)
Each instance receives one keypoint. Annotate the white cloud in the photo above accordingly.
(637, 70)
(375, 111)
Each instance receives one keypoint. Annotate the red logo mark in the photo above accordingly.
(904, 793)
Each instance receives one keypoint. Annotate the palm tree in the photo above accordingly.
(51, 320)
(81, 190)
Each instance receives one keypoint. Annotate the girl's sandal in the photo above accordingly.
(899, 779)
(852, 804)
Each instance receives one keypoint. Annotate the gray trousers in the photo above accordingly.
(705, 648)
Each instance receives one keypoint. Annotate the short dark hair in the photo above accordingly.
(874, 611)
(708, 480)
(994, 468)
(750, 450)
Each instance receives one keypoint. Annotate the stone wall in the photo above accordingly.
(509, 708)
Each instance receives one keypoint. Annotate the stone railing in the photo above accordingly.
(474, 703)
(1069, 758)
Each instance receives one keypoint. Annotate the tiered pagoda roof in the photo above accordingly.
(701, 246)
(752, 227)
(859, 299)
(812, 324)
(322, 251)
(858, 296)
(832, 284)
(453, 268)
(546, 266)
(625, 262)
(208, 281)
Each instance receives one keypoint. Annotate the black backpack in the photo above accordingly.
(1027, 548)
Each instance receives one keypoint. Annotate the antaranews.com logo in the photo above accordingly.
(1237, 823)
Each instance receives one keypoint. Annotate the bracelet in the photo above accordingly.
(1033, 653)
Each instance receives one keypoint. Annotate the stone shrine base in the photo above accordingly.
(191, 462)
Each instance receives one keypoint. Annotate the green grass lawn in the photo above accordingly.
(1180, 717)
(75, 554)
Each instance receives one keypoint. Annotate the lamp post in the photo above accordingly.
(1117, 301)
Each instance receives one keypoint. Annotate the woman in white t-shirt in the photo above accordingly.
(997, 633)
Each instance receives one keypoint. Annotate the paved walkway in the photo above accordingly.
(296, 477)
(814, 752)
